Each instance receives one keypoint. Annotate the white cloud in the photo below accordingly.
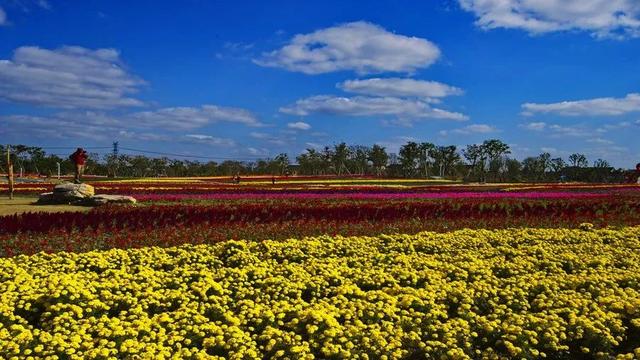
(208, 140)
(393, 145)
(143, 136)
(474, 129)
(259, 135)
(62, 126)
(68, 77)
(559, 131)
(315, 146)
(368, 106)
(601, 18)
(257, 151)
(3, 17)
(359, 46)
(399, 87)
(534, 126)
(601, 141)
(192, 117)
(299, 125)
(599, 106)
(102, 126)
(610, 127)
(272, 139)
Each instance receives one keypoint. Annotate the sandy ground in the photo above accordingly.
(22, 204)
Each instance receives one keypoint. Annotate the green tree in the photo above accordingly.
(379, 158)
(578, 160)
(409, 156)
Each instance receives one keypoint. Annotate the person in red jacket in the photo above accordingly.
(79, 158)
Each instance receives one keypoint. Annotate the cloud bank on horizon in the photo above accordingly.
(355, 81)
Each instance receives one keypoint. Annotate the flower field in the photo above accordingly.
(320, 269)
(517, 293)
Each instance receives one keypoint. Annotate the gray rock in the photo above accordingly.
(108, 199)
(47, 198)
(74, 191)
(67, 193)
(81, 194)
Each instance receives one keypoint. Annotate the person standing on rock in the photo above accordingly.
(79, 158)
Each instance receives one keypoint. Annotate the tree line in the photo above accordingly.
(489, 161)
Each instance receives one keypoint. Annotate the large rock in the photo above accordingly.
(67, 193)
(74, 190)
(81, 194)
(106, 199)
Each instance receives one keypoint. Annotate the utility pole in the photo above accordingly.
(58, 165)
(426, 171)
(10, 172)
(115, 158)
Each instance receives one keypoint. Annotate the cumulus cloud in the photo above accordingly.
(400, 87)
(534, 126)
(593, 107)
(472, 129)
(68, 77)
(208, 140)
(98, 127)
(616, 126)
(101, 125)
(358, 46)
(559, 131)
(299, 125)
(272, 139)
(600, 141)
(143, 136)
(394, 144)
(368, 106)
(192, 117)
(601, 18)
(3, 17)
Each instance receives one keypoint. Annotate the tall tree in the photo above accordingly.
(379, 158)
(600, 163)
(578, 160)
(340, 155)
(358, 159)
(473, 153)
(282, 163)
(409, 155)
(557, 164)
(494, 149)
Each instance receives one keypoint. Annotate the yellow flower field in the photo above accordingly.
(516, 293)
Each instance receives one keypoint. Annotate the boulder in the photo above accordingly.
(81, 194)
(107, 199)
(74, 190)
(67, 193)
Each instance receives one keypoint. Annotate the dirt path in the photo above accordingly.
(26, 204)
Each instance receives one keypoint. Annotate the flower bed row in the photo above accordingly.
(516, 293)
(600, 209)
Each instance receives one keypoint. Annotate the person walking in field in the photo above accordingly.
(79, 158)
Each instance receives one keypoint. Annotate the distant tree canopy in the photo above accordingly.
(485, 162)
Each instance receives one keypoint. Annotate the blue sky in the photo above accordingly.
(253, 79)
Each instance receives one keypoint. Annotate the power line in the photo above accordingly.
(189, 156)
(73, 147)
(115, 148)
